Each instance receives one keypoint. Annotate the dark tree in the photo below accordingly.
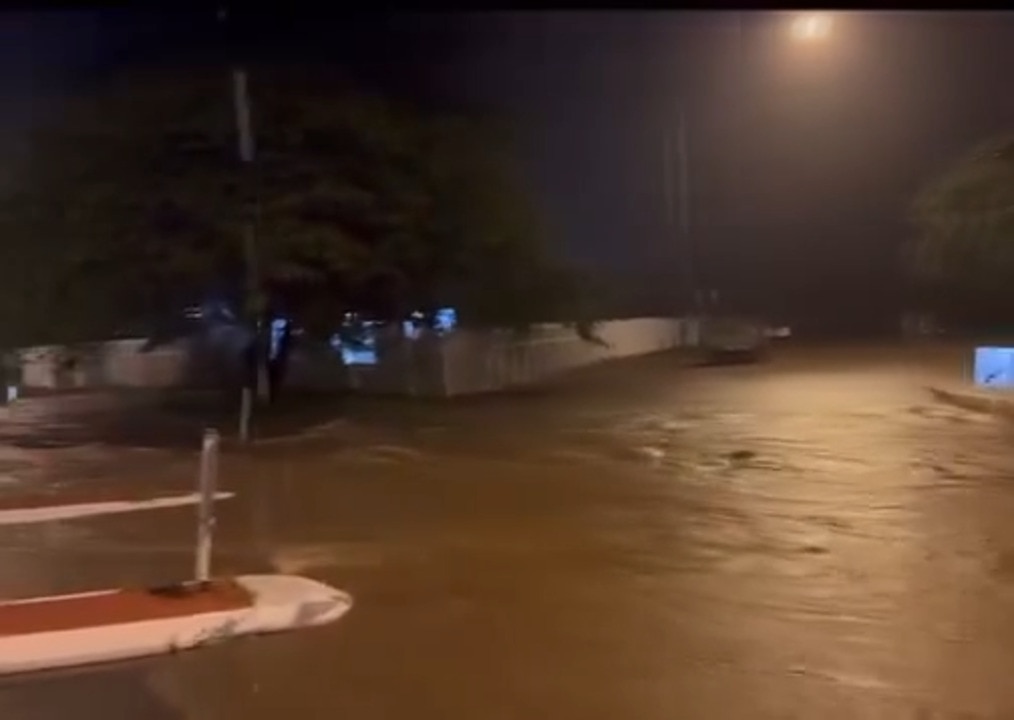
(135, 203)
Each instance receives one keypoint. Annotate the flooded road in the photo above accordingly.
(808, 538)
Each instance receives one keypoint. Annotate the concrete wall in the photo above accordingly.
(117, 363)
(489, 361)
(460, 363)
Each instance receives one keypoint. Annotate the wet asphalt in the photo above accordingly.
(812, 537)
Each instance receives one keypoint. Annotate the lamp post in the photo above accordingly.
(809, 28)
(677, 196)
(254, 300)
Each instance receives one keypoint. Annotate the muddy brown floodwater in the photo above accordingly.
(811, 538)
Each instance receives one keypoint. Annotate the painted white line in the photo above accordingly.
(25, 516)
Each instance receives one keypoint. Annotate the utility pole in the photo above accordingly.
(667, 180)
(677, 199)
(741, 143)
(677, 204)
(254, 301)
(683, 164)
(742, 99)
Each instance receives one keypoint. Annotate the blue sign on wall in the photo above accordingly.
(994, 367)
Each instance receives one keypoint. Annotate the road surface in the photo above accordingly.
(811, 538)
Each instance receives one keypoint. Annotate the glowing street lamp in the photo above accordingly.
(811, 27)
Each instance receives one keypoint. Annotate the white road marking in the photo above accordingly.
(24, 516)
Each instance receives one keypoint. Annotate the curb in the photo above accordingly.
(311, 432)
(998, 406)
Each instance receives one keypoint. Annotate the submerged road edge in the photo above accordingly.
(980, 401)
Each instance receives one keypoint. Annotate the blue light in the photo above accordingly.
(359, 356)
(278, 327)
(410, 329)
(359, 348)
(446, 319)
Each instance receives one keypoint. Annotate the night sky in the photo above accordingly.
(803, 158)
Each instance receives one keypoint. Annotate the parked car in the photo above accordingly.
(734, 339)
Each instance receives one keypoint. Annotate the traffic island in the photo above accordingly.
(987, 388)
(999, 403)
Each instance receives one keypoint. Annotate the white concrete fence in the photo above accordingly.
(476, 362)
(460, 363)
(118, 363)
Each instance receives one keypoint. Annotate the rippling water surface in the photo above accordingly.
(809, 538)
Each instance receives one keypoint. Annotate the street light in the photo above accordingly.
(678, 147)
(254, 301)
(811, 27)
(808, 28)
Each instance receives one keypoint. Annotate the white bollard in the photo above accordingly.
(207, 480)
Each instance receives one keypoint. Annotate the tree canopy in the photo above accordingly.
(965, 223)
(134, 204)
